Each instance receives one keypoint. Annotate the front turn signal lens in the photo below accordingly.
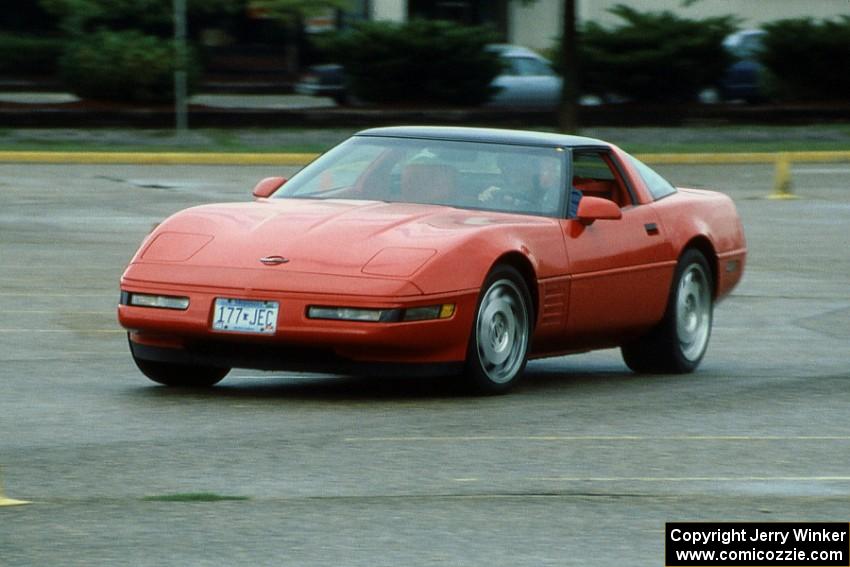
(447, 310)
(429, 312)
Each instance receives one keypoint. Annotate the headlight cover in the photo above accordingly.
(378, 315)
(156, 301)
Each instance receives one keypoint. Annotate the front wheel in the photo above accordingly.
(501, 332)
(679, 342)
(181, 375)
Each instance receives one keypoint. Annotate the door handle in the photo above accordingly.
(651, 228)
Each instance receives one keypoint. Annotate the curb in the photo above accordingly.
(749, 157)
(21, 115)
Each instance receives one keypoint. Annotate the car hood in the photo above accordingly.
(330, 237)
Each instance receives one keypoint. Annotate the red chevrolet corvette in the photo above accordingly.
(414, 250)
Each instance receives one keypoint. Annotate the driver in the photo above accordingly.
(528, 183)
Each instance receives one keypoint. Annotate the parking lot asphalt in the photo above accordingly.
(581, 465)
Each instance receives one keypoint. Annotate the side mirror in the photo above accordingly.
(268, 186)
(592, 209)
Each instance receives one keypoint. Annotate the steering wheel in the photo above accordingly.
(515, 198)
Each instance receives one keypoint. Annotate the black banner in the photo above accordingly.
(757, 544)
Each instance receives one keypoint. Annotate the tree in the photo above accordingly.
(654, 56)
(568, 63)
(421, 61)
(124, 49)
(152, 17)
(568, 108)
(292, 14)
(296, 9)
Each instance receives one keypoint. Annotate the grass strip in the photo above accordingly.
(193, 497)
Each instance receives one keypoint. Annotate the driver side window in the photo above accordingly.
(595, 175)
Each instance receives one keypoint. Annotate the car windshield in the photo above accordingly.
(527, 67)
(470, 175)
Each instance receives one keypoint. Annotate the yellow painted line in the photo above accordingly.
(6, 501)
(744, 157)
(555, 438)
(706, 159)
(296, 159)
(159, 158)
(824, 156)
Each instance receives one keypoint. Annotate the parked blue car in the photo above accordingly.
(743, 79)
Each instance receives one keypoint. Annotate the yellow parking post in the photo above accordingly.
(782, 179)
(8, 501)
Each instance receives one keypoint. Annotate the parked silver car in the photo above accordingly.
(527, 80)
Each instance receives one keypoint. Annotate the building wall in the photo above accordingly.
(389, 10)
(752, 12)
(537, 25)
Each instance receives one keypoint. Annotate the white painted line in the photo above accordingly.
(559, 438)
(692, 479)
(56, 312)
(47, 294)
(821, 170)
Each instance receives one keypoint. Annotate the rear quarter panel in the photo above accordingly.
(694, 217)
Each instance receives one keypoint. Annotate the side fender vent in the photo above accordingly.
(553, 305)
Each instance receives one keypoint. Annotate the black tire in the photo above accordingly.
(678, 344)
(501, 333)
(181, 375)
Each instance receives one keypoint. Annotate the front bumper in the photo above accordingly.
(298, 343)
(276, 357)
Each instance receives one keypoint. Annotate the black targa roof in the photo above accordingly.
(483, 135)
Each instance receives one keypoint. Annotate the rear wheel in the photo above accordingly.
(679, 342)
(501, 332)
(181, 375)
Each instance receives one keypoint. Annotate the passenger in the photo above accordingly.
(572, 205)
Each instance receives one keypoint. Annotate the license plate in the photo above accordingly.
(245, 316)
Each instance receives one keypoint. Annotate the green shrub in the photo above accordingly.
(29, 55)
(808, 60)
(654, 56)
(430, 62)
(27, 18)
(122, 66)
(154, 17)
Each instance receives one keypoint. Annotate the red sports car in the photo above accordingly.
(414, 250)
